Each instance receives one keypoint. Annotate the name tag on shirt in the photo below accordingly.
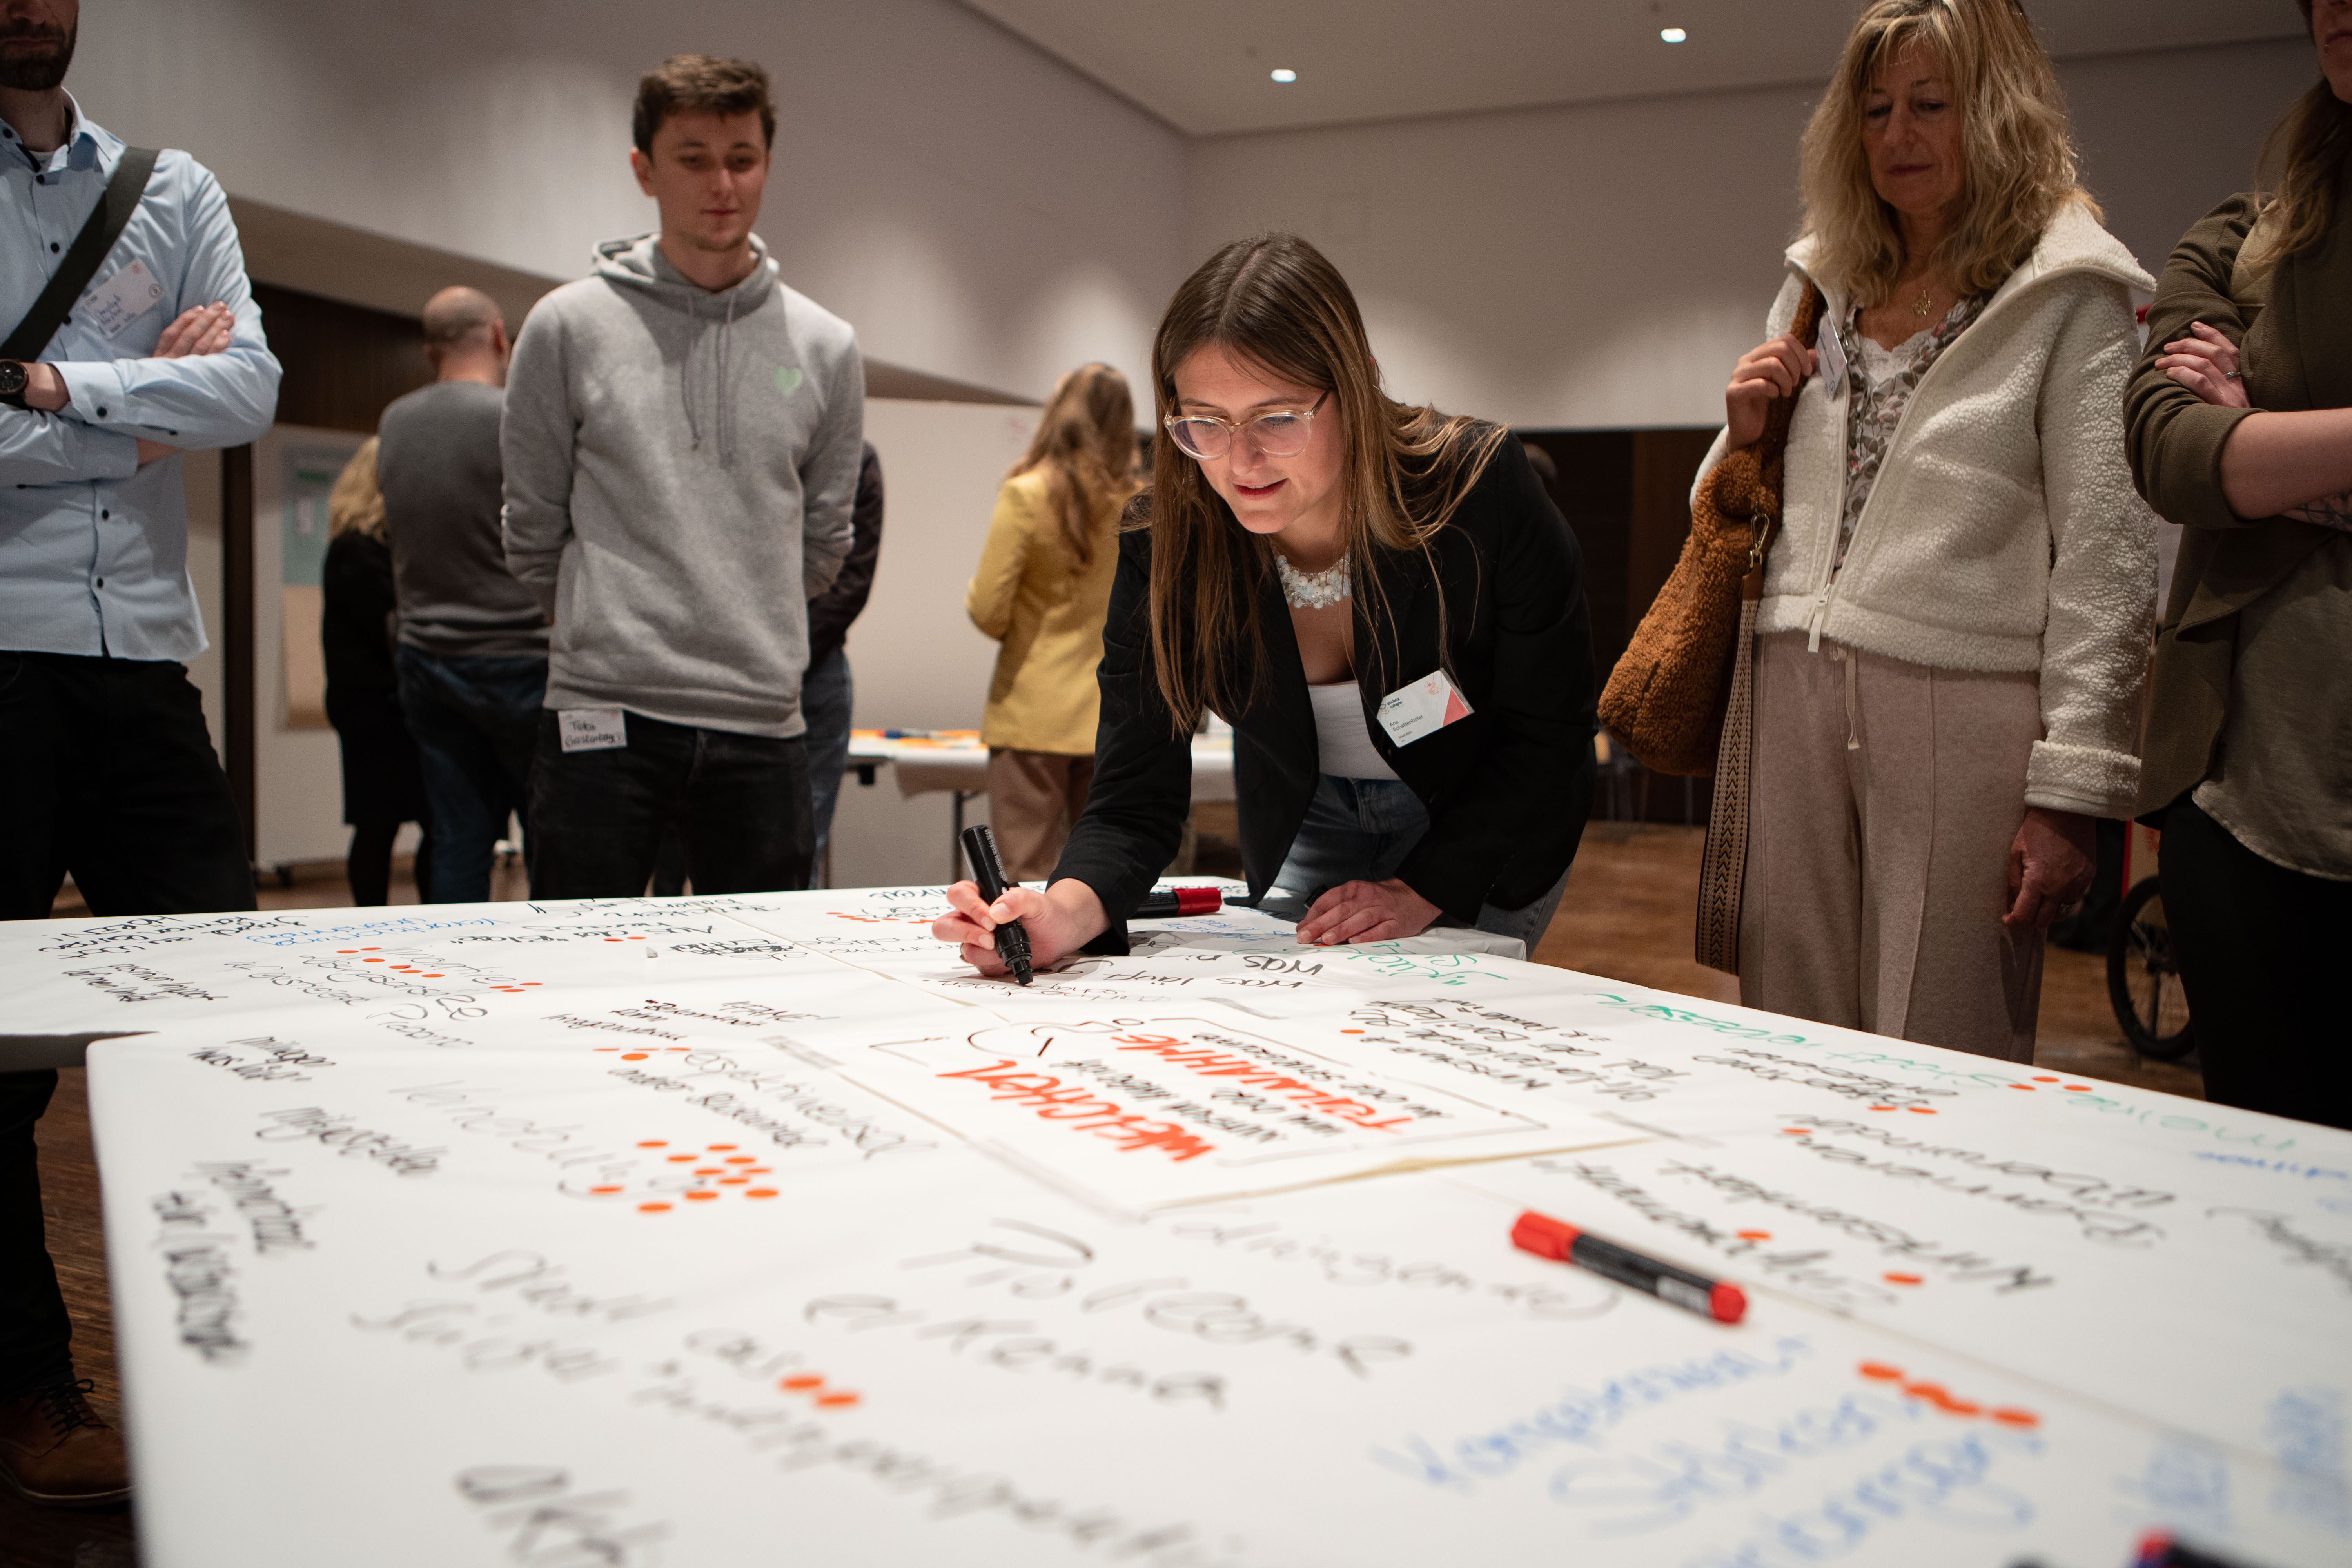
(1831, 349)
(592, 729)
(121, 298)
(1423, 708)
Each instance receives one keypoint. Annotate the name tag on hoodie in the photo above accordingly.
(592, 729)
(1424, 707)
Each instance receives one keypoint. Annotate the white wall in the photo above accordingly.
(979, 210)
(916, 658)
(1604, 265)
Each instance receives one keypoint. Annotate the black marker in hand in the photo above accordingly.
(988, 871)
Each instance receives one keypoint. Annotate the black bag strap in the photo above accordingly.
(103, 228)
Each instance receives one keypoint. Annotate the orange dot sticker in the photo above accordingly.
(734, 1181)
(653, 1208)
(1882, 1108)
(2078, 1089)
(2043, 1077)
(722, 1148)
(634, 1056)
(1880, 1371)
(2026, 1086)
(1798, 1131)
(1903, 1279)
(800, 1383)
(1352, 1031)
(836, 1401)
(1923, 1110)
(604, 1189)
(1755, 1235)
(742, 1158)
(760, 1192)
(703, 1198)
(2011, 1416)
(653, 1142)
(684, 1158)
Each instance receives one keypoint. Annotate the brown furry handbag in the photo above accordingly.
(1664, 701)
(1682, 697)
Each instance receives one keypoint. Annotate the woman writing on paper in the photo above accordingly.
(1042, 584)
(1956, 612)
(2249, 743)
(1381, 599)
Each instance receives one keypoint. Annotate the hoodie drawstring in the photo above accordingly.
(684, 372)
(726, 334)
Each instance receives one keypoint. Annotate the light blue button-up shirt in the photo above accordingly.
(94, 547)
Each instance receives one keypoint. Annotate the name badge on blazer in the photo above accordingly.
(1422, 709)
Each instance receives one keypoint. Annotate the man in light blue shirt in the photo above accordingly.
(106, 769)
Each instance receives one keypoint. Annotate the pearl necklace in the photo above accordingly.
(1312, 590)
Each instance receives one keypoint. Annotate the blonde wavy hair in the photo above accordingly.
(2303, 162)
(2019, 161)
(1085, 445)
(356, 502)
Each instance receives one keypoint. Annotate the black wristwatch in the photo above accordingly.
(11, 382)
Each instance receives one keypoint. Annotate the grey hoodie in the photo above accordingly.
(680, 470)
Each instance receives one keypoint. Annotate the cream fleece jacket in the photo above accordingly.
(2003, 532)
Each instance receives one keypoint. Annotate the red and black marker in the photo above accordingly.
(1564, 1242)
(1169, 902)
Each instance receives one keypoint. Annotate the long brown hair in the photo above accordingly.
(1275, 302)
(2018, 153)
(2303, 162)
(1085, 445)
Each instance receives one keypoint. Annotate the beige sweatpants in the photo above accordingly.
(1034, 799)
(1883, 802)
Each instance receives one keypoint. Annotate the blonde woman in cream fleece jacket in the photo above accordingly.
(1957, 611)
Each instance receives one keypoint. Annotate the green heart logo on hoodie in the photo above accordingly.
(788, 379)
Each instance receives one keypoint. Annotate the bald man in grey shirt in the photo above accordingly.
(473, 641)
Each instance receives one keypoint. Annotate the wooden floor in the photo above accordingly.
(1626, 915)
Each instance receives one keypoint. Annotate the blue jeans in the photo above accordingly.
(827, 691)
(475, 719)
(1360, 830)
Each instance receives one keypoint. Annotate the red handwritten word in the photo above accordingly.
(1079, 1106)
(1258, 1076)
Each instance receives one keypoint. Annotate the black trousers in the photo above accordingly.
(739, 804)
(106, 772)
(2259, 948)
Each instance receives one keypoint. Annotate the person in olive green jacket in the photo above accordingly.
(1041, 592)
(2241, 430)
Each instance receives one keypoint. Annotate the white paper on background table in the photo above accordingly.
(924, 1357)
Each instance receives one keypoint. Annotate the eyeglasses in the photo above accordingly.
(1281, 435)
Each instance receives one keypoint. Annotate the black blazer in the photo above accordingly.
(1508, 788)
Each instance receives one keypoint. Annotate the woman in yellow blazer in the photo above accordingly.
(1042, 589)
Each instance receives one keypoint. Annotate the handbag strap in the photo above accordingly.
(87, 253)
(1772, 449)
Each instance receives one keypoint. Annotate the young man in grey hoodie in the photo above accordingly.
(682, 447)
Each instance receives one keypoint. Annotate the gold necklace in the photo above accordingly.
(1924, 303)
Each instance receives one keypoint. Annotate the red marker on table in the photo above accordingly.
(1173, 901)
(1564, 1242)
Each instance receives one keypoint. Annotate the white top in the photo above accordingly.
(1341, 738)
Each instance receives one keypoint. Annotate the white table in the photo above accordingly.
(718, 1230)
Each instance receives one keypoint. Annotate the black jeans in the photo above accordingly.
(2258, 946)
(740, 804)
(107, 772)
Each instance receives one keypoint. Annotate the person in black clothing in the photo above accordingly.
(1381, 600)
(383, 787)
(828, 690)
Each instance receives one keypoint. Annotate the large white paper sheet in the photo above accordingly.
(921, 1356)
(1966, 1236)
(1165, 1111)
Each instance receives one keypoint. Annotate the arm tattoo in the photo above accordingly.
(2327, 512)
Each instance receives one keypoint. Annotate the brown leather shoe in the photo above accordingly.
(56, 1451)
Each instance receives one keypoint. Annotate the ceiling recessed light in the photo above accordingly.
(1673, 34)
(1286, 76)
